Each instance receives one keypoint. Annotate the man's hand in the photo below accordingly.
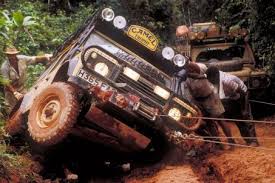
(18, 95)
(48, 56)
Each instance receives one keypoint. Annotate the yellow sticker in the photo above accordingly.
(143, 36)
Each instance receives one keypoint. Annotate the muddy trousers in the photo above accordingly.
(211, 129)
(240, 109)
(247, 130)
(227, 131)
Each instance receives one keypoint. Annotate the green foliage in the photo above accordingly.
(163, 16)
(258, 17)
(3, 105)
(13, 24)
(34, 72)
(47, 30)
(34, 30)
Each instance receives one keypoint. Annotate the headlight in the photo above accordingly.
(131, 73)
(179, 60)
(161, 92)
(119, 22)
(168, 53)
(175, 114)
(101, 69)
(108, 14)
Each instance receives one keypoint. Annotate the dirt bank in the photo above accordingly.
(237, 165)
(244, 165)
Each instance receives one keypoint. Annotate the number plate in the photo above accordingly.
(92, 80)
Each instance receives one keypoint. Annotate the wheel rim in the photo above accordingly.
(48, 112)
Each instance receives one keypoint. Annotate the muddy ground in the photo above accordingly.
(235, 165)
(203, 163)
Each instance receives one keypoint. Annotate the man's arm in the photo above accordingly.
(236, 84)
(242, 88)
(35, 59)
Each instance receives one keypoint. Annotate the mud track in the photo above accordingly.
(190, 162)
(244, 165)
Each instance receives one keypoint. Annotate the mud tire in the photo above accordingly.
(14, 124)
(53, 114)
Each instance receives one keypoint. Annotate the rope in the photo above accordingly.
(225, 119)
(261, 102)
(263, 138)
(232, 144)
(176, 136)
(179, 135)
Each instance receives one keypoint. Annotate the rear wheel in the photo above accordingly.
(53, 114)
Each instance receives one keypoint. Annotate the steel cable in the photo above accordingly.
(262, 138)
(232, 144)
(225, 119)
(179, 136)
(261, 102)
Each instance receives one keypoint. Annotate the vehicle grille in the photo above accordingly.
(143, 88)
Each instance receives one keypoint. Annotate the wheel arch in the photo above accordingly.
(62, 73)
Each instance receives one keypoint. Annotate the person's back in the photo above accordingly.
(202, 92)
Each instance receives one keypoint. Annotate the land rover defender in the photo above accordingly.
(229, 50)
(110, 83)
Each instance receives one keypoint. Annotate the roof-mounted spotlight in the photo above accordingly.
(108, 14)
(120, 22)
(168, 53)
(180, 60)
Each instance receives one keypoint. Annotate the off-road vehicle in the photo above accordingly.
(229, 50)
(110, 83)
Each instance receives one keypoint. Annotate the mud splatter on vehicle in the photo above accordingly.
(107, 83)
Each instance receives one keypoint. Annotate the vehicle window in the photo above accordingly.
(227, 54)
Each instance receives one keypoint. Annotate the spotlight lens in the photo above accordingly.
(120, 22)
(168, 53)
(179, 60)
(108, 14)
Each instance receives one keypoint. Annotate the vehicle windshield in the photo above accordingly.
(219, 54)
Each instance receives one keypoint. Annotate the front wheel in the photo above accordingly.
(53, 114)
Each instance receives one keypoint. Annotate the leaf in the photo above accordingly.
(5, 35)
(5, 13)
(2, 22)
(28, 21)
(18, 18)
